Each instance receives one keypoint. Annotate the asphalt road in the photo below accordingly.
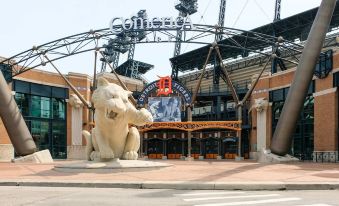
(38, 196)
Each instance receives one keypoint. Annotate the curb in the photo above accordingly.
(248, 186)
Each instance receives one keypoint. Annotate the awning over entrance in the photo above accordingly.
(191, 126)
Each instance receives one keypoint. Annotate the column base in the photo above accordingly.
(254, 155)
(265, 156)
(43, 156)
(6, 152)
(189, 158)
(239, 159)
(76, 152)
(144, 157)
(325, 156)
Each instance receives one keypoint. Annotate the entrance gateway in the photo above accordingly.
(89, 41)
(167, 136)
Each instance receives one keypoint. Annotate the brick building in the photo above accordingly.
(54, 118)
(315, 138)
(316, 135)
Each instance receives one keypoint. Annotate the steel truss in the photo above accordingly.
(95, 39)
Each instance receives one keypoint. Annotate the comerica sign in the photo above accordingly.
(120, 24)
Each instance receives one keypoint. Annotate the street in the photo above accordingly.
(38, 196)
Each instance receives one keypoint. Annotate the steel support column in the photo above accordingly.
(122, 84)
(13, 121)
(189, 134)
(282, 138)
(76, 92)
(239, 114)
(189, 108)
(218, 37)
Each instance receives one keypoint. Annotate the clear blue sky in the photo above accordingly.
(34, 22)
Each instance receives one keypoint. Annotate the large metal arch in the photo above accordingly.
(94, 39)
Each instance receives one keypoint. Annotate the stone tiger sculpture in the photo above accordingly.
(112, 137)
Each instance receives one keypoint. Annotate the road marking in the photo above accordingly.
(230, 197)
(316, 205)
(209, 193)
(253, 202)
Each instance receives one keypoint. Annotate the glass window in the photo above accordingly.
(278, 95)
(59, 92)
(6, 70)
(277, 108)
(45, 116)
(59, 133)
(41, 90)
(303, 136)
(40, 107)
(22, 101)
(211, 146)
(59, 140)
(336, 79)
(286, 92)
(21, 87)
(58, 108)
(40, 134)
(311, 88)
(324, 65)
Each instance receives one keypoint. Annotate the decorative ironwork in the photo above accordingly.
(192, 126)
(94, 40)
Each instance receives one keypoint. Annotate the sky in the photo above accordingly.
(34, 22)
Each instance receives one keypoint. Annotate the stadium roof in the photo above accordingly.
(126, 66)
(290, 28)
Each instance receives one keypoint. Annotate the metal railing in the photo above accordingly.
(326, 157)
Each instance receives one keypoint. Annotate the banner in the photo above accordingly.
(176, 86)
(165, 109)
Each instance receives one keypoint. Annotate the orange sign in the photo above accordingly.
(164, 86)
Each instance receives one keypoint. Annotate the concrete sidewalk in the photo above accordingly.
(226, 175)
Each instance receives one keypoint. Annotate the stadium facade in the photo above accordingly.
(56, 118)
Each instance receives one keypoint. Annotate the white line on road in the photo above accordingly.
(316, 205)
(209, 193)
(230, 197)
(253, 202)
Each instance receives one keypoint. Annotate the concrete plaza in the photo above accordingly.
(226, 175)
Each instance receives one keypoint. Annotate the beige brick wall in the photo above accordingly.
(4, 139)
(326, 122)
(325, 107)
(81, 81)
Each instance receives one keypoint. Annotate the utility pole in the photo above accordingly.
(277, 10)
(275, 50)
(217, 68)
(112, 54)
(218, 37)
(185, 7)
(133, 70)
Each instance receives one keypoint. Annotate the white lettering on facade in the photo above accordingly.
(119, 24)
